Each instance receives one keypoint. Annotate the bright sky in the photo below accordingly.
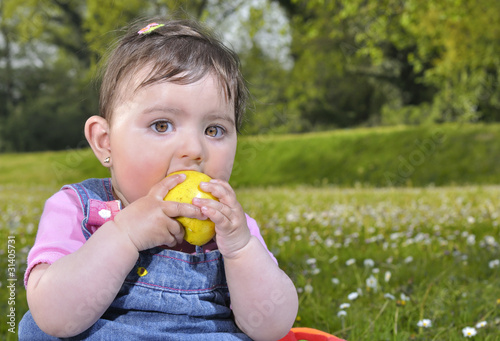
(274, 38)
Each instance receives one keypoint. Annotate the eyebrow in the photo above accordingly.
(150, 110)
(222, 117)
(211, 117)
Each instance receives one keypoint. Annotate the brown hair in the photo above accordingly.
(180, 51)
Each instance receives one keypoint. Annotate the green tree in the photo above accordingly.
(49, 94)
(344, 71)
(409, 61)
(65, 40)
(465, 69)
(48, 84)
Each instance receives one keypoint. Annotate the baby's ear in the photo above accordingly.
(97, 134)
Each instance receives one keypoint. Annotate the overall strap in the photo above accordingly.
(97, 203)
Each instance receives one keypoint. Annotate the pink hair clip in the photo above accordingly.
(150, 28)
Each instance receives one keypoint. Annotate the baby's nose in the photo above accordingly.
(191, 148)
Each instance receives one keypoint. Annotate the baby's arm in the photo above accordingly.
(263, 298)
(68, 296)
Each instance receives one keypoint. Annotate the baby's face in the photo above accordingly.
(167, 127)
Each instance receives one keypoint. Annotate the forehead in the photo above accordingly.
(147, 75)
(136, 83)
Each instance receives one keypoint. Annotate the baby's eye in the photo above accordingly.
(215, 131)
(162, 126)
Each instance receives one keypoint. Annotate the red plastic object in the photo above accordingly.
(309, 334)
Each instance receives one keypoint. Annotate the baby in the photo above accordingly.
(109, 261)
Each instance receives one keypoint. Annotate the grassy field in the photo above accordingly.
(396, 256)
(369, 263)
(389, 156)
(378, 157)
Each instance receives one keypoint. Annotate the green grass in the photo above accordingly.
(423, 237)
(437, 245)
(20, 209)
(395, 156)
(378, 157)
(50, 168)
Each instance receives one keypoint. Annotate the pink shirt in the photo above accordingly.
(60, 233)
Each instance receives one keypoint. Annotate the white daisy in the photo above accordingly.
(389, 296)
(311, 261)
(308, 288)
(315, 271)
(369, 263)
(426, 323)
(494, 263)
(481, 324)
(404, 297)
(352, 296)
(341, 313)
(371, 282)
(350, 262)
(469, 331)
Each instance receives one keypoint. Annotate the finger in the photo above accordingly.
(176, 233)
(175, 209)
(221, 190)
(215, 205)
(216, 216)
(161, 189)
(175, 228)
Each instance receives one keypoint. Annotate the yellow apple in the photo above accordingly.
(197, 232)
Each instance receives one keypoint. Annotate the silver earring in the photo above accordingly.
(106, 160)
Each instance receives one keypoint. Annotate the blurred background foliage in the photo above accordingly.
(311, 64)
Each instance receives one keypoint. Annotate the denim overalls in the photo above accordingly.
(168, 295)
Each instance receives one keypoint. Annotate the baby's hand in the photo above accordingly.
(149, 222)
(231, 230)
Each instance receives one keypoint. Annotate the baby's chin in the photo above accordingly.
(224, 176)
(125, 199)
